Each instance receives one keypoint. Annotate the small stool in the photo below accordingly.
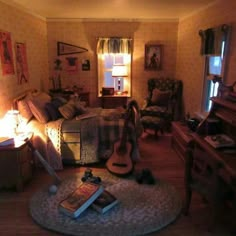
(152, 122)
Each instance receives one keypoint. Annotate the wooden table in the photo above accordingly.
(181, 138)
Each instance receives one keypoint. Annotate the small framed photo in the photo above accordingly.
(153, 58)
(85, 65)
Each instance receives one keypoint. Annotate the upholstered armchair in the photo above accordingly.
(163, 103)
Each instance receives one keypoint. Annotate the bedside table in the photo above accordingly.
(16, 164)
(113, 101)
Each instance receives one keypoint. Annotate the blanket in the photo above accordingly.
(53, 131)
(98, 133)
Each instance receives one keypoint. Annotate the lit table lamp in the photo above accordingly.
(119, 72)
(11, 122)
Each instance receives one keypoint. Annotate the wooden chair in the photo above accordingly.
(202, 175)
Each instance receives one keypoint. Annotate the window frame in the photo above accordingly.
(208, 83)
(102, 70)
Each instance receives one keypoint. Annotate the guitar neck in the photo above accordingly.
(124, 132)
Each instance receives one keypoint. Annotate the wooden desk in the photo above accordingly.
(224, 111)
(228, 159)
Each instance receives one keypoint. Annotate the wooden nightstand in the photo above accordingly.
(16, 164)
(113, 101)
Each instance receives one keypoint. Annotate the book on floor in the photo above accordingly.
(220, 140)
(80, 199)
(105, 202)
(5, 141)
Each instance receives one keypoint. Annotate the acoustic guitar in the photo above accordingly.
(120, 162)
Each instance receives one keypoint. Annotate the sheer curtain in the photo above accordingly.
(114, 45)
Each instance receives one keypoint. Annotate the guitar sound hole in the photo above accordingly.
(119, 164)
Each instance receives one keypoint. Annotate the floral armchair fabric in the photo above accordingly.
(164, 99)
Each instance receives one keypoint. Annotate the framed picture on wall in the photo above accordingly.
(153, 54)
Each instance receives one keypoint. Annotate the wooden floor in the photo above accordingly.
(157, 155)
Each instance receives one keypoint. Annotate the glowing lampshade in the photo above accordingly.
(11, 122)
(119, 71)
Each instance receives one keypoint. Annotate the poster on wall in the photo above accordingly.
(21, 63)
(6, 54)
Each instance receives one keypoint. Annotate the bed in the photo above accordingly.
(67, 132)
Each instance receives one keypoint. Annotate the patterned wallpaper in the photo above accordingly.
(32, 31)
(180, 40)
(190, 65)
(85, 34)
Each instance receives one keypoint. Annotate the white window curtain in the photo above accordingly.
(114, 45)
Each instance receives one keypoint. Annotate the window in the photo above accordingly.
(213, 72)
(105, 79)
(112, 52)
(213, 46)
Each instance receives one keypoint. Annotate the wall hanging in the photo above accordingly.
(152, 57)
(66, 49)
(6, 54)
(21, 63)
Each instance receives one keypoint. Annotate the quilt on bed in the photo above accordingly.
(95, 136)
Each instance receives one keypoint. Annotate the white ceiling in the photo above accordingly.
(111, 9)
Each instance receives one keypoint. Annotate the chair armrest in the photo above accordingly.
(146, 103)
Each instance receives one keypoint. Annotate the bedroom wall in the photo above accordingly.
(85, 34)
(32, 31)
(181, 43)
(190, 65)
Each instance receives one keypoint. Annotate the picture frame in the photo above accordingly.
(86, 65)
(153, 57)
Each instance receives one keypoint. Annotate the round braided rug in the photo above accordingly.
(142, 208)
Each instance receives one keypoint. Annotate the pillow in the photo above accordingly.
(160, 98)
(68, 111)
(80, 107)
(52, 111)
(38, 111)
(24, 110)
(59, 101)
(42, 97)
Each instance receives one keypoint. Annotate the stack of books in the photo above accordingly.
(86, 195)
(220, 141)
